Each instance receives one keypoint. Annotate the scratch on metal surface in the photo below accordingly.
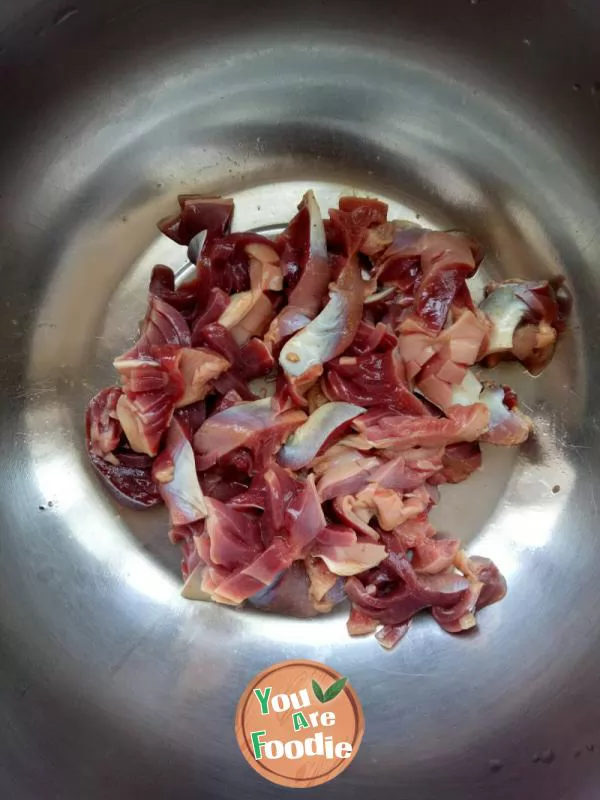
(35, 225)
(35, 390)
(593, 489)
(120, 663)
(593, 238)
(577, 448)
(402, 674)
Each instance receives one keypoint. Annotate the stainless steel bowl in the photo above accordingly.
(483, 115)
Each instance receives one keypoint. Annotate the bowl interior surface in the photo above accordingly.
(476, 115)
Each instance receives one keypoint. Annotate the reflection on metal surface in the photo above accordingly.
(110, 683)
(95, 529)
(148, 579)
(325, 632)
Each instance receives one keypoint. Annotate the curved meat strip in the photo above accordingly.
(306, 441)
(244, 425)
(304, 300)
(174, 472)
(332, 331)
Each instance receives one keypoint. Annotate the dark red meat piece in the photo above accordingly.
(184, 299)
(376, 379)
(459, 461)
(432, 267)
(250, 361)
(215, 304)
(348, 225)
(212, 214)
(372, 339)
(132, 486)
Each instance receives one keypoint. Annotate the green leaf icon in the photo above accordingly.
(318, 692)
(334, 690)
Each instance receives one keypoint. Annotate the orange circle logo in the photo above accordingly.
(299, 723)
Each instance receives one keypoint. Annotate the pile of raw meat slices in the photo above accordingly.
(298, 403)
